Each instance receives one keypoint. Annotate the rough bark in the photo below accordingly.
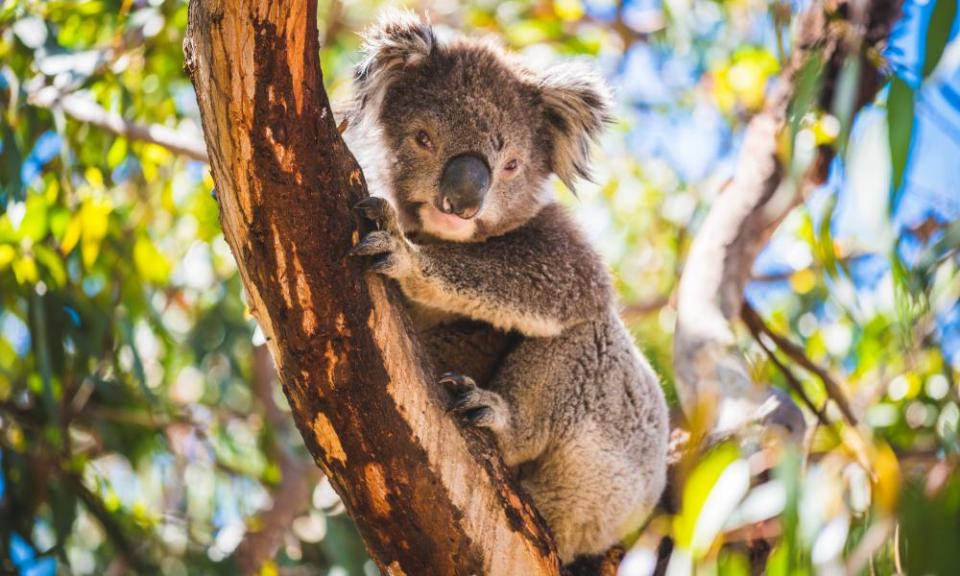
(426, 498)
(714, 385)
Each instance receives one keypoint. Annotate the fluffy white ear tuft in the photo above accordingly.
(576, 104)
(399, 39)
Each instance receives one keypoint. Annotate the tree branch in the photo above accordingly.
(756, 324)
(427, 498)
(292, 496)
(88, 111)
(714, 385)
(788, 374)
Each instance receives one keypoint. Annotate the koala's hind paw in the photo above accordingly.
(474, 405)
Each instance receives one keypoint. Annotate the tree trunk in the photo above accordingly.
(427, 498)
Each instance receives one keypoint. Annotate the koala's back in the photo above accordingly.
(596, 376)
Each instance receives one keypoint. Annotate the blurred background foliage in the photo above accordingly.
(141, 428)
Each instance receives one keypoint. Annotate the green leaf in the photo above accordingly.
(809, 78)
(12, 187)
(845, 97)
(938, 33)
(900, 105)
(53, 264)
(35, 222)
(824, 240)
(152, 265)
(117, 152)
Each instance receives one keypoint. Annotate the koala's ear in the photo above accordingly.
(399, 39)
(576, 105)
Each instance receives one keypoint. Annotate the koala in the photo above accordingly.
(457, 140)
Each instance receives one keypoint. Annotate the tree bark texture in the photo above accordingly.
(426, 498)
(713, 381)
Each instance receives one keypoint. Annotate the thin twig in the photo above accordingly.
(84, 110)
(795, 353)
(791, 378)
(897, 563)
(291, 497)
(643, 309)
(126, 548)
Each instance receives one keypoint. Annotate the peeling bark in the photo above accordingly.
(426, 498)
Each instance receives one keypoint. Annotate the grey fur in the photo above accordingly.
(515, 300)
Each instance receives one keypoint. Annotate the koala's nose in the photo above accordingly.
(463, 185)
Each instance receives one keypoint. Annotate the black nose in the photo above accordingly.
(463, 185)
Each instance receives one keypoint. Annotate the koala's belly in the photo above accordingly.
(466, 347)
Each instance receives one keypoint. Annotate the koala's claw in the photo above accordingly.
(377, 242)
(380, 212)
(473, 405)
(457, 383)
(395, 255)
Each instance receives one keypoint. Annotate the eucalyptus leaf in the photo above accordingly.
(900, 120)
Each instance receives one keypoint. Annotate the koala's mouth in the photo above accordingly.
(448, 226)
(446, 210)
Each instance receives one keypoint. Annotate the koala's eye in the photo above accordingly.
(511, 165)
(423, 140)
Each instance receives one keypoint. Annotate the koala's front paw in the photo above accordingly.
(394, 254)
(474, 405)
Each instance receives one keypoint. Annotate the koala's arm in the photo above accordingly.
(537, 280)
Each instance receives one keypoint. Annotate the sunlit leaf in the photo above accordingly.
(53, 264)
(72, 233)
(35, 222)
(887, 478)
(699, 522)
(7, 254)
(25, 270)
(117, 152)
(94, 217)
(150, 262)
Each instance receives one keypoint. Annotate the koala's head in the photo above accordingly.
(471, 135)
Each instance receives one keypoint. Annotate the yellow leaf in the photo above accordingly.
(826, 129)
(7, 254)
(569, 10)
(152, 265)
(744, 79)
(94, 176)
(94, 218)
(25, 269)
(886, 485)
(72, 235)
(803, 281)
